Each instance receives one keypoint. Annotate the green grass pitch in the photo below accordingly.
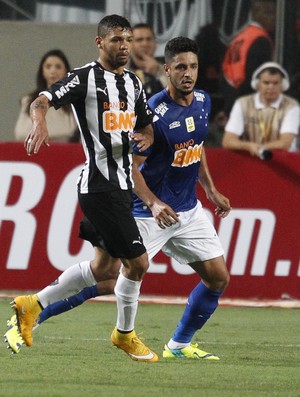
(72, 355)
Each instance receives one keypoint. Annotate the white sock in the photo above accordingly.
(127, 293)
(69, 283)
(177, 345)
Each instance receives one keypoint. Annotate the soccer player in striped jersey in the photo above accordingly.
(110, 107)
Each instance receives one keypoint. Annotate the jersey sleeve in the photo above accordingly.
(69, 89)
(143, 112)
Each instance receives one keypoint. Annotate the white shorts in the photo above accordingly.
(192, 239)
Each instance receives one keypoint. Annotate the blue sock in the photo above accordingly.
(201, 304)
(67, 304)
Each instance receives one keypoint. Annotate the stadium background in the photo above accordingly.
(29, 28)
(268, 195)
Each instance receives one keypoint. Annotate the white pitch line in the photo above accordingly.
(200, 343)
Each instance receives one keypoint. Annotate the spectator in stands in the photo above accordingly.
(267, 119)
(143, 62)
(251, 47)
(61, 123)
(210, 55)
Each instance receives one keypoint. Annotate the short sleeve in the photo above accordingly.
(235, 123)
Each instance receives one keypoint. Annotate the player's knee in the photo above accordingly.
(136, 268)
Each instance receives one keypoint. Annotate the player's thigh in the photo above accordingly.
(154, 238)
(196, 240)
(213, 272)
(111, 216)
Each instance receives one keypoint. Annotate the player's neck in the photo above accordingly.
(111, 68)
(181, 98)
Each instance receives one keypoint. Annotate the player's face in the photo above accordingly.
(53, 70)
(143, 42)
(269, 86)
(115, 48)
(183, 72)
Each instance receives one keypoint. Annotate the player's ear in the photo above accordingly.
(98, 41)
(167, 70)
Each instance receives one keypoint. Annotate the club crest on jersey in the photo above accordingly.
(118, 121)
(190, 124)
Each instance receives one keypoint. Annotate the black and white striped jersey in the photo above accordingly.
(107, 107)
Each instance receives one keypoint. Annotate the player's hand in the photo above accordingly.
(163, 214)
(143, 140)
(37, 136)
(223, 205)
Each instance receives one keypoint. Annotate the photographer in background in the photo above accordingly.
(267, 119)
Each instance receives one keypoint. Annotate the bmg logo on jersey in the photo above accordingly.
(187, 156)
(118, 121)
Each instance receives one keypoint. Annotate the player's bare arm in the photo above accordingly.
(162, 213)
(143, 137)
(39, 132)
(223, 205)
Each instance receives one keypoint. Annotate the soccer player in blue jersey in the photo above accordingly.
(167, 211)
(169, 215)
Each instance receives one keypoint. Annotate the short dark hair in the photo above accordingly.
(273, 71)
(179, 44)
(143, 25)
(111, 22)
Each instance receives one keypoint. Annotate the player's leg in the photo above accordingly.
(196, 244)
(106, 276)
(28, 308)
(106, 280)
(67, 304)
(111, 216)
(127, 292)
(202, 303)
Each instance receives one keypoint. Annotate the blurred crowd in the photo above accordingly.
(255, 103)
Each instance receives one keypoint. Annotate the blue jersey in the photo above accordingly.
(172, 166)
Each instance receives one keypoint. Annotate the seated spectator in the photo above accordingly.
(61, 123)
(267, 119)
(143, 62)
